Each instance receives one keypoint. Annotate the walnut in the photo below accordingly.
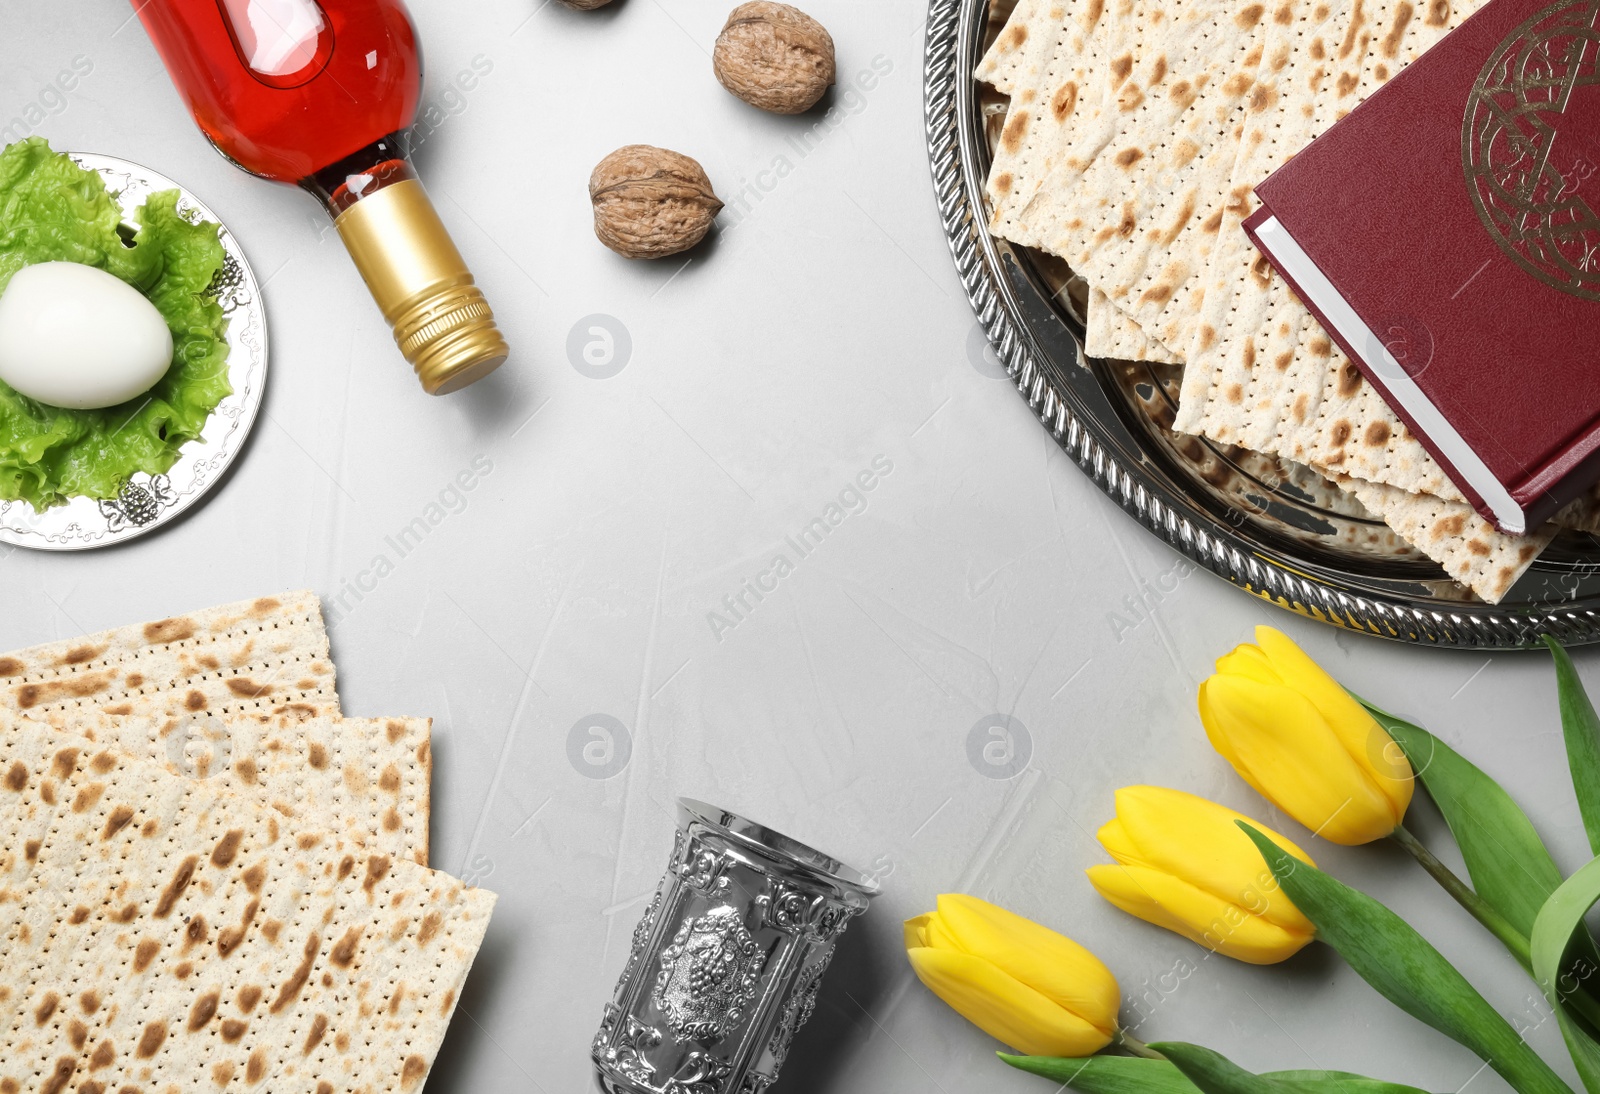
(775, 57)
(650, 202)
(586, 5)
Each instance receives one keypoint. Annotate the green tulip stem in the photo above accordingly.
(1136, 1047)
(1498, 925)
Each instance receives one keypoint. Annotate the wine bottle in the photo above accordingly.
(321, 94)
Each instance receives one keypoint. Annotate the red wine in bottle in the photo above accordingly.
(321, 94)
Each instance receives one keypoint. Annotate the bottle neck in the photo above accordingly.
(340, 185)
(440, 319)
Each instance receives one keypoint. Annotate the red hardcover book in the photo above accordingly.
(1446, 235)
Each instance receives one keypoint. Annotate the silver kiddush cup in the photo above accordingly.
(727, 960)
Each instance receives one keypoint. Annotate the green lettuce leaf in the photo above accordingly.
(52, 210)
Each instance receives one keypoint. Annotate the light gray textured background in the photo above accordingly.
(823, 329)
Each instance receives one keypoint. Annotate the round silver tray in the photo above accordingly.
(146, 502)
(1272, 528)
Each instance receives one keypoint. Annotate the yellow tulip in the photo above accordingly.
(1184, 864)
(1294, 734)
(1036, 991)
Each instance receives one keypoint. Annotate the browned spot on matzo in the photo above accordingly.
(78, 655)
(175, 887)
(246, 688)
(163, 631)
(1016, 128)
(297, 979)
(150, 1040)
(227, 847)
(204, 1009)
(377, 869)
(319, 1026)
(116, 821)
(87, 796)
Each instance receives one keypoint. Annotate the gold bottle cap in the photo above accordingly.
(441, 321)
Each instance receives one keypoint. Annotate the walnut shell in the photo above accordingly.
(775, 57)
(650, 202)
(586, 5)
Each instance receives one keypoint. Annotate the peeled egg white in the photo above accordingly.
(75, 336)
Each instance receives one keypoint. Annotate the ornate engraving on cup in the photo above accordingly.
(797, 1009)
(796, 911)
(641, 934)
(628, 1056)
(701, 1073)
(704, 871)
(726, 962)
(708, 975)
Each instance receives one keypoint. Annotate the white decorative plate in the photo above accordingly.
(146, 502)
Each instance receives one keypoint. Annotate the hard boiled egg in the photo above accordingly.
(75, 336)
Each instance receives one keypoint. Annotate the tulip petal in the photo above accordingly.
(1249, 661)
(916, 930)
(1200, 842)
(1049, 963)
(1286, 749)
(1004, 1007)
(1197, 915)
(1118, 844)
(937, 935)
(1212, 719)
(1372, 749)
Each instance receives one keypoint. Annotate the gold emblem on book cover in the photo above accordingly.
(1530, 146)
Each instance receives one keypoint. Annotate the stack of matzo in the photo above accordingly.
(1136, 132)
(210, 879)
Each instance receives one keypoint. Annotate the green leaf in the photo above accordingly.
(1319, 1074)
(1581, 727)
(1106, 1074)
(1138, 1075)
(1405, 968)
(1582, 1048)
(1557, 976)
(1509, 864)
(1214, 1073)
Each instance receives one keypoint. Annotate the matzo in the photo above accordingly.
(1111, 332)
(1014, 49)
(1053, 120)
(1141, 220)
(1471, 550)
(366, 778)
(1125, 53)
(164, 934)
(263, 656)
(1261, 373)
